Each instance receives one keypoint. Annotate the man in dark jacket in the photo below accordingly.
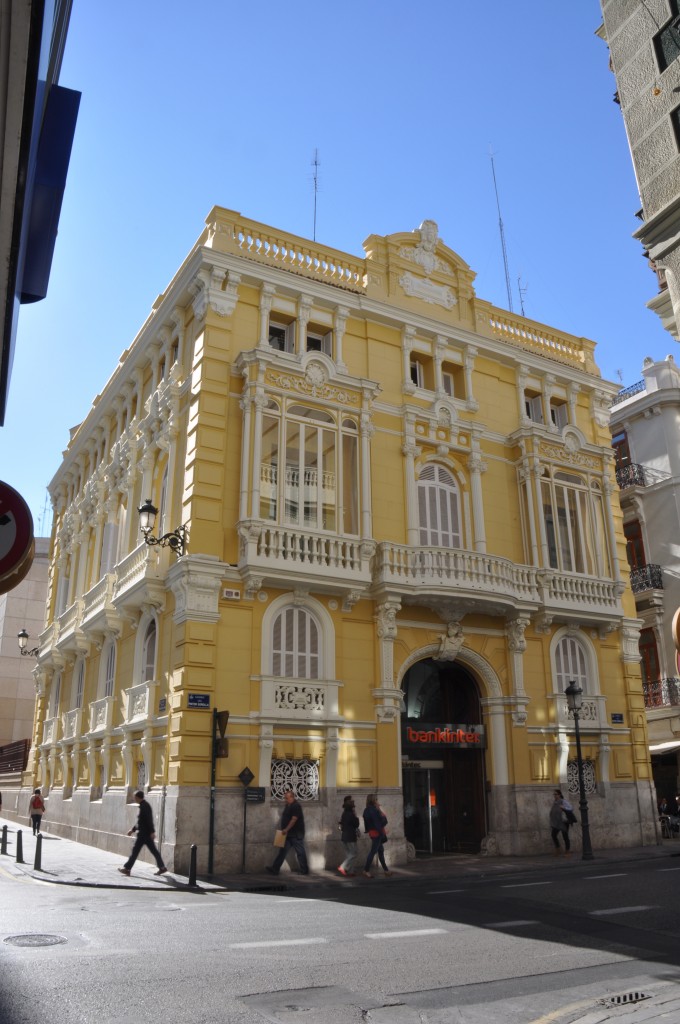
(293, 827)
(145, 837)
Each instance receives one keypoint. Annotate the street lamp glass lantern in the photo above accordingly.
(147, 516)
(22, 637)
(574, 695)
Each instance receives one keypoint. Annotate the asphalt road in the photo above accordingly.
(512, 949)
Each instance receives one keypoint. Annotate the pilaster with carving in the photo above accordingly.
(517, 645)
(339, 327)
(472, 404)
(195, 581)
(477, 466)
(266, 745)
(389, 699)
(267, 293)
(408, 335)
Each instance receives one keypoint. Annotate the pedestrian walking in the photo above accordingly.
(36, 809)
(349, 832)
(293, 827)
(146, 834)
(558, 825)
(374, 823)
(569, 815)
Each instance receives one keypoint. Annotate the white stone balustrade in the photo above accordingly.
(310, 699)
(50, 730)
(140, 703)
(71, 723)
(593, 713)
(282, 552)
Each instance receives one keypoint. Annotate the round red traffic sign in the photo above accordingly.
(16, 538)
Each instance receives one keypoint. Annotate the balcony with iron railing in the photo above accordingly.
(632, 389)
(631, 475)
(662, 693)
(646, 577)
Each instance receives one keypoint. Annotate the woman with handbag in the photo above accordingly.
(374, 823)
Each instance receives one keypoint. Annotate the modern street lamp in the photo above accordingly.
(574, 695)
(22, 637)
(176, 539)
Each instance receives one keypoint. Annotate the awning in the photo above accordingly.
(663, 748)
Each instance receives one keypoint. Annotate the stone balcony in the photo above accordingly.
(69, 636)
(281, 556)
(593, 713)
(101, 716)
(468, 581)
(140, 705)
(50, 731)
(70, 723)
(140, 580)
(99, 615)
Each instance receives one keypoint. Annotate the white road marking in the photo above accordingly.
(441, 892)
(509, 924)
(524, 885)
(275, 942)
(668, 869)
(621, 874)
(622, 910)
(406, 935)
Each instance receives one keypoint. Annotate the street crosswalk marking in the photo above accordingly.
(276, 942)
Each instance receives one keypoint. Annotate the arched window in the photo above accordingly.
(571, 664)
(110, 670)
(295, 644)
(149, 653)
(438, 508)
(574, 521)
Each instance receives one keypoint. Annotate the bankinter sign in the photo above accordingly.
(422, 734)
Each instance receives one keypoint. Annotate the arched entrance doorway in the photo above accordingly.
(443, 744)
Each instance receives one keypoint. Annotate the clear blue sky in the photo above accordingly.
(188, 106)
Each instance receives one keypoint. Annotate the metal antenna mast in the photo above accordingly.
(522, 289)
(315, 165)
(500, 227)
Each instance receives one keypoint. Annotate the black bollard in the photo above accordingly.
(192, 869)
(3, 841)
(20, 848)
(37, 866)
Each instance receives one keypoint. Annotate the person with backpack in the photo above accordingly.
(36, 809)
(374, 823)
(349, 832)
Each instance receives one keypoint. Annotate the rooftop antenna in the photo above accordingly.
(315, 165)
(522, 289)
(502, 232)
(43, 515)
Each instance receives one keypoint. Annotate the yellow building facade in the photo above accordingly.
(402, 543)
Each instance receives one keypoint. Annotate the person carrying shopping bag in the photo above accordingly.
(374, 823)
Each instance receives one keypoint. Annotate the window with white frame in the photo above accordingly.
(559, 413)
(319, 340)
(296, 644)
(438, 508)
(573, 516)
(109, 669)
(309, 469)
(282, 335)
(571, 664)
(533, 406)
(148, 667)
(417, 373)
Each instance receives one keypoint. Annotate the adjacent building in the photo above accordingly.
(645, 425)
(395, 540)
(644, 44)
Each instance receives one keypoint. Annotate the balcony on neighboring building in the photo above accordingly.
(662, 693)
(646, 577)
(631, 475)
(632, 389)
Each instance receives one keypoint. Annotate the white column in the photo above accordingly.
(468, 366)
(609, 521)
(259, 401)
(410, 450)
(245, 405)
(341, 314)
(304, 313)
(477, 466)
(407, 337)
(366, 429)
(498, 743)
(439, 353)
(526, 477)
(267, 293)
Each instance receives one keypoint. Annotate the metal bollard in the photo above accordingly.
(192, 869)
(20, 848)
(37, 866)
(3, 841)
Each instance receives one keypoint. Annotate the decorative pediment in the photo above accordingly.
(415, 267)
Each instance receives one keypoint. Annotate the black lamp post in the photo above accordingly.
(176, 539)
(574, 695)
(22, 637)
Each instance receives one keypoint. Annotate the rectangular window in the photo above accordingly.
(559, 414)
(282, 336)
(533, 406)
(675, 121)
(269, 460)
(417, 374)
(635, 551)
(320, 342)
(453, 381)
(667, 41)
(621, 449)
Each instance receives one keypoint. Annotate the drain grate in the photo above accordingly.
(35, 939)
(624, 1000)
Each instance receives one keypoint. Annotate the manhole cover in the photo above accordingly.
(35, 940)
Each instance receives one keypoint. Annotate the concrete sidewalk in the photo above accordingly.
(64, 862)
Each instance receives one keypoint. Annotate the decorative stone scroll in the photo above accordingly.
(291, 697)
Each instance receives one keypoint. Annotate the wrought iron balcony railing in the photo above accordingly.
(632, 389)
(647, 577)
(660, 693)
(632, 475)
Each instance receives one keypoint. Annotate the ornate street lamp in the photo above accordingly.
(574, 695)
(176, 539)
(22, 637)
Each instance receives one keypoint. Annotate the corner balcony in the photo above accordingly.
(632, 475)
(99, 614)
(69, 636)
(647, 577)
(662, 693)
(459, 581)
(282, 556)
(474, 581)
